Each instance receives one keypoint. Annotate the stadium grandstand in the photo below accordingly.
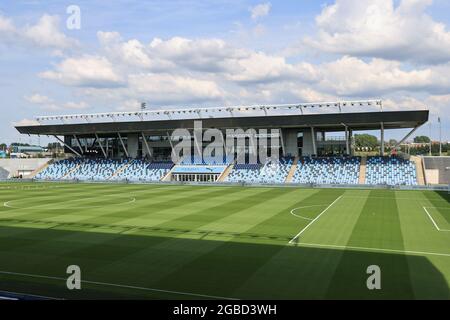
(306, 144)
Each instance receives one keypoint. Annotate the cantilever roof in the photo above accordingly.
(327, 121)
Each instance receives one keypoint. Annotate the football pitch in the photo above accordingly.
(222, 242)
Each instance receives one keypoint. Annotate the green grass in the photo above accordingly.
(189, 242)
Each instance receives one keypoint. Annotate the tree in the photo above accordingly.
(54, 145)
(422, 139)
(18, 144)
(3, 146)
(366, 140)
(392, 142)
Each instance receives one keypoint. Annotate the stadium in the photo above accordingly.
(305, 222)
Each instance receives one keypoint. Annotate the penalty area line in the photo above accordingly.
(434, 222)
(314, 220)
(421, 253)
(119, 285)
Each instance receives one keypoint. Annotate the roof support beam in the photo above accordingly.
(171, 144)
(68, 147)
(146, 145)
(101, 146)
(382, 139)
(79, 143)
(347, 140)
(407, 136)
(313, 138)
(123, 145)
(282, 142)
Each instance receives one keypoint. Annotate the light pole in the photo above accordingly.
(440, 137)
(430, 138)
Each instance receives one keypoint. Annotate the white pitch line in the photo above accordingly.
(391, 198)
(314, 220)
(304, 207)
(119, 285)
(425, 253)
(431, 218)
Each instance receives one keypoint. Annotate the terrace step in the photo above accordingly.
(292, 171)
(420, 171)
(40, 168)
(122, 168)
(362, 170)
(168, 176)
(73, 170)
(225, 173)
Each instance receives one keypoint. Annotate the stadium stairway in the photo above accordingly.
(420, 170)
(72, 171)
(122, 168)
(292, 171)
(225, 174)
(39, 169)
(168, 176)
(362, 170)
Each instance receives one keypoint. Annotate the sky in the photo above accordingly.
(65, 57)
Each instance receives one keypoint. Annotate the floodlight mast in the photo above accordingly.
(207, 112)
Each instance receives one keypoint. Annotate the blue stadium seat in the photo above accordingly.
(328, 170)
(58, 169)
(390, 171)
(141, 170)
(105, 169)
(270, 172)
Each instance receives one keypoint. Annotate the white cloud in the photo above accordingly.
(403, 102)
(44, 34)
(352, 76)
(307, 94)
(129, 105)
(260, 67)
(380, 29)
(355, 77)
(49, 104)
(260, 10)
(38, 99)
(6, 25)
(181, 71)
(169, 89)
(131, 53)
(86, 71)
(75, 105)
(207, 55)
(439, 105)
(200, 57)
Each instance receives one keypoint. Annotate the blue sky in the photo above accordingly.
(210, 53)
